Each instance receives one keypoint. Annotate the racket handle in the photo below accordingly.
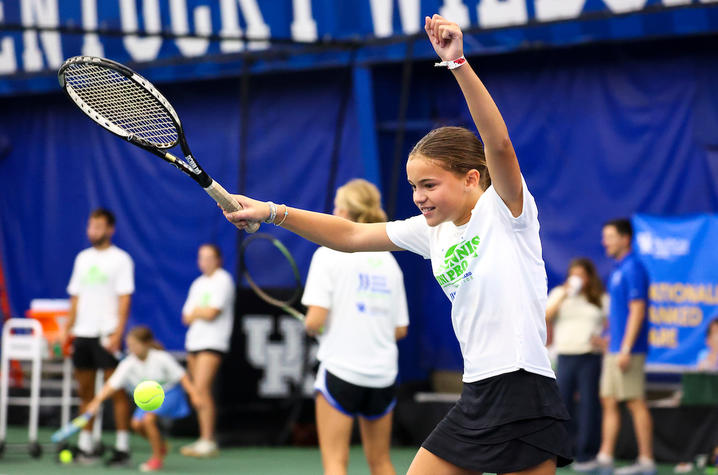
(294, 313)
(227, 202)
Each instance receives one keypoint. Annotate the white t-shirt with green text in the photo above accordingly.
(158, 366)
(215, 291)
(492, 271)
(98, 278)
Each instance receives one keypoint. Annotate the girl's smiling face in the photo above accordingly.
(440, 194)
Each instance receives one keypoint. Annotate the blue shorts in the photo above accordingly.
(174, 406)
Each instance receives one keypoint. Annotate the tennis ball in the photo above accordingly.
(149, 395)
(65, 456)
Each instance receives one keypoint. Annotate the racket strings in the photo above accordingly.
(122, 102)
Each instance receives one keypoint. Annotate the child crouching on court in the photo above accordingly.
(148, 361)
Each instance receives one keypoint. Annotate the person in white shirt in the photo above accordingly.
(577, 309)
(209, 313)
(479, 226)
(100, 289)
(148, 362)
(357, 309)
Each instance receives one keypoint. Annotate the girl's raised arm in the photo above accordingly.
(447, 40)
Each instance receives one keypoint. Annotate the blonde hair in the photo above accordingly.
(455, 149)
(362, 201)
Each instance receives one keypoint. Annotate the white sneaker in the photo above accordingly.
(585, 467)
(604, 465)
(683, 467)
(638, 468)
(86, 458)
(188, 449)
(203, 449)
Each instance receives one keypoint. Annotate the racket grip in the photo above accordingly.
(227, 202)
(294, 313)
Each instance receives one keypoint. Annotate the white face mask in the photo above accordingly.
(575, 284)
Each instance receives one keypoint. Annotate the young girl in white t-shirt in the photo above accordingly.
(209, 313)
(479, 226)
(357, 308)
(148, 362)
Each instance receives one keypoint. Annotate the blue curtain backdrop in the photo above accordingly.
(600, 132)
(62, 166)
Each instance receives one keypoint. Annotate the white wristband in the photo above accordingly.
(272, 212)
(456, 63)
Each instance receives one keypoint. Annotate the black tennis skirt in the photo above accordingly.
(507, 423)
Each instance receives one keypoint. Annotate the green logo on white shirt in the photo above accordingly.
(205, 299)
(456, 261)
(94, 276)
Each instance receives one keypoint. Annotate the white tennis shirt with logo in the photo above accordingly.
(158, 366)
(365, 295)
(98, 278)
(492, 271)
(214, 291)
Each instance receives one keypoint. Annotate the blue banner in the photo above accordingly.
(682, 262)
(207, 38)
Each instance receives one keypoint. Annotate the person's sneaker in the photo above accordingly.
(204, 449)
(638, 468)
(188, 449)
(589, 466)
(85, 458)
(152, 465)
(683, 467)
(118, 459)
(604, 467)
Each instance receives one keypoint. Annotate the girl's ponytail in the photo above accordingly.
(362, 201)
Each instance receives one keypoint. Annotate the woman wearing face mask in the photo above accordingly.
(577, 309)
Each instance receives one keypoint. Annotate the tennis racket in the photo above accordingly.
(252, 245)
(71, 428)
(128, 105)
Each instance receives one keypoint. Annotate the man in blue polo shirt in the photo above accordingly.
(623, 373)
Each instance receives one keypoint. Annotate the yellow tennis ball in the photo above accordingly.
(149, 395)
(65, 456)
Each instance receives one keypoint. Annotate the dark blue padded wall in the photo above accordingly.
(61, 166)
